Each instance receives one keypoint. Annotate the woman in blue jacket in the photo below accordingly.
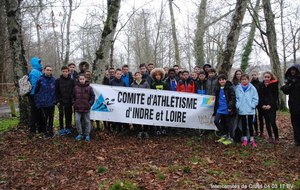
(246, 102)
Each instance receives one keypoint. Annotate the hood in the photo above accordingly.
(35, 63)
(82, 63)
(156, 70)
(288, 72)
(206, 65)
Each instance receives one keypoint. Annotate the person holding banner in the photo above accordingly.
(200, 84)
(141, 83)
(186, 84)
(158, 74)
(224, 109)
(171, 81)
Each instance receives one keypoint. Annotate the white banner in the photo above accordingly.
(152, 107)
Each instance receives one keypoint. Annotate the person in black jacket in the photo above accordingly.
(268, 101)
(257, 84)
(224, 108)
(292, 88)
(64, 91)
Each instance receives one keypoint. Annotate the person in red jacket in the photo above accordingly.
(186, 84)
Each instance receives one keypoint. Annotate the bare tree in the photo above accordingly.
(248, 47)
(102, 54)
(174, 35)
(233, 36)
(17, 52)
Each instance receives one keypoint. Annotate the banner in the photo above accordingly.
(152, 107)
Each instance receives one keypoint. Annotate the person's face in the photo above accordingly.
(138, 76)
(158, 76)
(172, 74)
(197, 70)
(48, 71)
(293, 72)
(267, 77)
(238, 75)
(202, 77)
(244, 81)
(176, 70)
(222, 82)
(87, 75)
(84, 67)
(111, 73)
(143, 70)
(118, 74)
(211, 74)
(254, 75)
(206, 68)
(82, 79)
(71, 68)
(194, 76)
(185, 76)
(125, 70)
(166, 69)
(150, 67)
(65, 73)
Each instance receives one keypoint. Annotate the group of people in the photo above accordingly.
(242, 105)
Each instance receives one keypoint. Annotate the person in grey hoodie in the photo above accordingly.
(212, 82)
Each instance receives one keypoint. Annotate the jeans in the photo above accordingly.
(47, 117)
(270, 119)
(86, 120)
(65, 110)
(224, 124)
(35, 122)
(247, 121)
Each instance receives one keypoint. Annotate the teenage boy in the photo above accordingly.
(212, 82)
(64, 93)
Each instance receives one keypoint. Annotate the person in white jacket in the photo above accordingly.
(246, 102)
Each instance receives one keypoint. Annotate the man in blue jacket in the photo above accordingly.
(34, 75)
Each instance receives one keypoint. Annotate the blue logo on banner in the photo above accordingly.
(101, 104)
(207, 102)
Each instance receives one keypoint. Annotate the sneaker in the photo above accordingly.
(62, 132)
(222, 139)
(78, 138)
(227, 141)
(245, 142)
(140, 135)
(146, 135)
(164, 132)
(254, 145)
(87, 138)
(68, 131)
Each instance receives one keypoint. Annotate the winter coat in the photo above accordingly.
(292, 88)
(186, 86)
(117, 82)
(168, 83)
(143, 84)
(147, 77)
(83, 98)
(128, 78)
(269, 95)
(35, 73)
(200, 86)
(64, 90)
(256, 83)
(159, 85)
(229, 95)
(247, 101)
(211, 85)
(44, 94)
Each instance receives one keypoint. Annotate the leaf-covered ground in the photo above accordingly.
(123, 161)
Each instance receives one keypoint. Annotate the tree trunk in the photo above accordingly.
(175, 41)
(272, 42)
(248, 46)
(233, 36)
(17, 52)
(102, 54)
(200, 31)
(3, 45)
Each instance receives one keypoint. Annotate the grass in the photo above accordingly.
(7, 124)
(101, 169)
(123, 185)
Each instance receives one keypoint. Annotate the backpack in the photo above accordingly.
(24, 85)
